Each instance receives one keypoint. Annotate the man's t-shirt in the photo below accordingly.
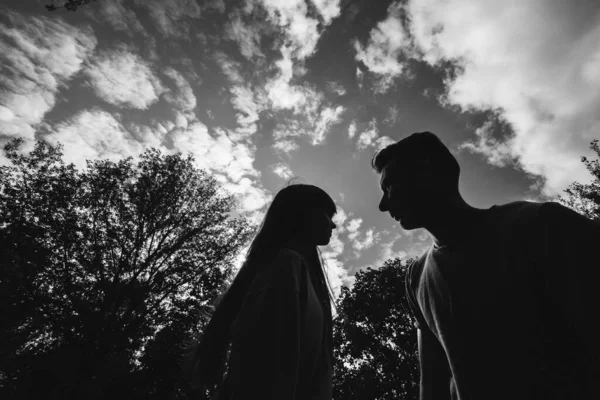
(515, 308)
(281, 348)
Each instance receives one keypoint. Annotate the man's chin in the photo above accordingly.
(408, 225)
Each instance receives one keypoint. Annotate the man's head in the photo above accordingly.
(419, 177)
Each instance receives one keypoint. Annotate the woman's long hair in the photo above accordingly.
(284, 217)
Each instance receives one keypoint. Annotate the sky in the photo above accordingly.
(262, 91)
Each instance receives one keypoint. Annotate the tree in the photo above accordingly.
(96, 262)
(585, 198)
(375, 338)
(69, 5)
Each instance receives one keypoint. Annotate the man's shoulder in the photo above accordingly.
(518, 209)
(529, 211)
(415, 270)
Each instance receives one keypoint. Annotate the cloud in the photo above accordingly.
(122, 78)
(336, 271)
(299, 30)
(252, 197)
(392, 115)
(387, 42)
(230, 161)
(94, 134)
(284, 96)
(172, 18)
(313, 118)
(243, 99)
(216, 151)
(387, 252)
(285, 146)
(283, 171)
(113, 13)
(247, 36)
(38, 57)
(332, 253)
(336, 88)
(352, 228)
(352, 129)
(327, 117)
(182, 97)
(339, 219)
(329, 9)
(383, 141)
(367, 241)
(368, 137)
(359, 77)
(534, 63)
(497, 153)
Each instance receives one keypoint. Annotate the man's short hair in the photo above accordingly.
(416, 147)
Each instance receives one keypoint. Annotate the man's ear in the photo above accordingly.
(426, 167)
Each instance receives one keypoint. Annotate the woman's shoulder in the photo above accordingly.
(285, 270)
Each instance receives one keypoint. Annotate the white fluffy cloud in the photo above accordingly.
(534, 62)
(339, 219)
(285, 96)
(216, 151)
(38, 56)
(387, 42)
(114, 13)
(368, 137)
(94, 134)
(122, 78)
(387, 252)
(352, 228)
(328, 117)
(285, 146)
(367, 241)
(336, 88)
(245, 101)
(329, 9)
(283, 171)
(300, 34)
(332, 253)
(172, 17)
(182, 97)
(231, 161)
(247, 36)
(352, 129)
(292, 18)
(252, 197)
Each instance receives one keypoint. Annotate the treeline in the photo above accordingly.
(108, 273)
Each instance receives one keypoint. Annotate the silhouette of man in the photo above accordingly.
(506, 300)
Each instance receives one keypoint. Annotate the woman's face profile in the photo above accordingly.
(319, 226)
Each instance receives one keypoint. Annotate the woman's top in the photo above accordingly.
(281, 347)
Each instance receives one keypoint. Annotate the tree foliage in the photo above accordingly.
(375, 338)
(69, 5)
(102, 267)
(585, 198)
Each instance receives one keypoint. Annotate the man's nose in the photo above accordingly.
(382, 205)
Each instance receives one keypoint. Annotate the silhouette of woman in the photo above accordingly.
(277, 312)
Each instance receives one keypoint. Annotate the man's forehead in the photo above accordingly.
(390, 169)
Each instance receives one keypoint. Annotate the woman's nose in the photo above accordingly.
(382, 205)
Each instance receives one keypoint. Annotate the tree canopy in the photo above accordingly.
(69, 5)
(100, 265)
(585, 198)
(375, 337)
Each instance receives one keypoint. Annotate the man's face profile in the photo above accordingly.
(405, 193)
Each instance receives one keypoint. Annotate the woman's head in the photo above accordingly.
(298, 212)
(301, 212)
